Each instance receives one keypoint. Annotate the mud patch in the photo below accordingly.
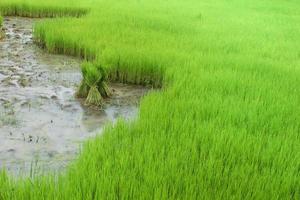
(42, 124)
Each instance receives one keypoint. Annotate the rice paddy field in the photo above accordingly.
(225, 122)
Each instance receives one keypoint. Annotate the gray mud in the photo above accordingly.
(42, 124)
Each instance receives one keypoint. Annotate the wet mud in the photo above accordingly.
(42, 124)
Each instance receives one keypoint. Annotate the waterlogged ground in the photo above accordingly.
(42, 124)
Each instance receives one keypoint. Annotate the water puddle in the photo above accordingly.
(42, 124)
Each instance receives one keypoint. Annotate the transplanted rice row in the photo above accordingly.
(225, 126)
(38, 10)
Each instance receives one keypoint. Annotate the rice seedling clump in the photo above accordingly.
(93, 86)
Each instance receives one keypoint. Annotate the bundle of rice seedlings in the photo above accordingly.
(91, 77)
(93, 87)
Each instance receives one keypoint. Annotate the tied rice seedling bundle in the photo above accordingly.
(91, 78)
(93, 86)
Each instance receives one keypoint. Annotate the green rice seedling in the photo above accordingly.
(91, 78)
(102, 83)
(83, 89)
(104, 89)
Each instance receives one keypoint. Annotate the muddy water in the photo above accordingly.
(42, 124)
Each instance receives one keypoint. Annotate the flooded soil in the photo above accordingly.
(42, 124)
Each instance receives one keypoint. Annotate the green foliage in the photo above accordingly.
(226, 124)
